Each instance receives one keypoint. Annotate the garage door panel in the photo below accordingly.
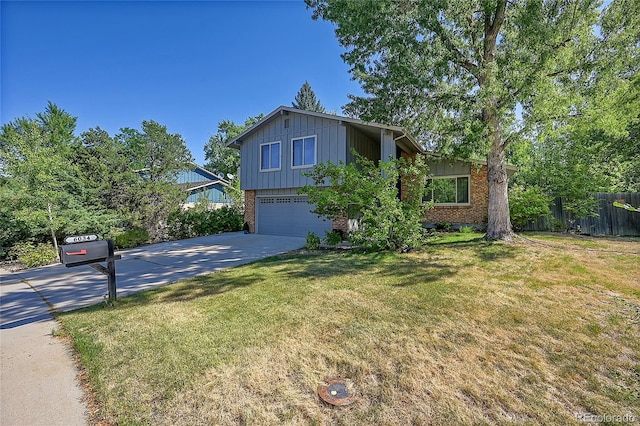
(287, 215)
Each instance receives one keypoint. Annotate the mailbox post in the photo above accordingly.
(88, 250)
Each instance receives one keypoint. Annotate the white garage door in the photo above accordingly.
(286, 215)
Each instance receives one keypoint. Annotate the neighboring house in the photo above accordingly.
(201, 183)
(276, 151)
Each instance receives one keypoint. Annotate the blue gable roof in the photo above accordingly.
(202, 183)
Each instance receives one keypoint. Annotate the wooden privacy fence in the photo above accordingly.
(611, 220)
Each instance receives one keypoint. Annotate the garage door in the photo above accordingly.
(287, 215)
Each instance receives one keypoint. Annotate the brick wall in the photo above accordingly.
(476, 213)
(250, 209)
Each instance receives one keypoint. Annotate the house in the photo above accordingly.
(200, 183)
(277, 151)
(460, 191)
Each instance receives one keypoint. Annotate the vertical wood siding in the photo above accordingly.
(189, 176)
(330, 146)
(363, 145)
(215, 194)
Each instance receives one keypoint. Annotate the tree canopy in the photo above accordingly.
(43, 186)
(54, 183)
(220, 158)
(470, 78)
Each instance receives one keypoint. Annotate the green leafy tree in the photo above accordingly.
(528, 205)
(456, 72)
(594, 147)
(369, 194)
(157, 156)
(12, 229)
(157, 153)
(103, 166)
(109, 175)
(220, 158)
(45, 188)
(306, 99)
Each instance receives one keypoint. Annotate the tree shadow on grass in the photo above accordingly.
(401, 270)
(209, 285)
(492, 252)
(184, 291)
(485, 251)
(409, 272)
(397, 269)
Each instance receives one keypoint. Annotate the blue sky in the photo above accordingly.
(187, 65)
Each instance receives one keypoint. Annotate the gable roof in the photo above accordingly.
(212, 177)
(404, 134)
(284, 110)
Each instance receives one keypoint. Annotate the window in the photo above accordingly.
(448, 190)
(303, 152)
(270, 156)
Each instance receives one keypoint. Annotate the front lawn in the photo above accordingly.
(541, 331)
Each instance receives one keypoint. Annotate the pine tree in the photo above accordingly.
(306, 99)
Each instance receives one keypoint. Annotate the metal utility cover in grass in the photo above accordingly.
(337, 391)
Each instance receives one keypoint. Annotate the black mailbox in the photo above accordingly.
(86, 253)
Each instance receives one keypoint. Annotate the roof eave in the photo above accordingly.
(510, 167)
(237, 141)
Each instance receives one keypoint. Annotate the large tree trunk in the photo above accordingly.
(499, 221)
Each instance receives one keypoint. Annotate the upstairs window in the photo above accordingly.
(303, 152)
(448, 190)
(270, 156)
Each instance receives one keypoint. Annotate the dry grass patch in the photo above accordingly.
(534, 332)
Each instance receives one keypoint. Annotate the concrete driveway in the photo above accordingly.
(38, 384)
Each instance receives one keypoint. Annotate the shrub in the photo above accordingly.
(527, 205)
(313, 241)
(131, 238)
(32, 255)
(466, 229)
(333, 238)
(201, 220)
(369, 193)
(443, 226)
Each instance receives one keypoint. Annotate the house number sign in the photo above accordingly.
(80, 239)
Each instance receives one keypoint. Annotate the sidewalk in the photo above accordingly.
(37, 375)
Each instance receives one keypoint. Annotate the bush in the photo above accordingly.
(32, 255)
(369, 193)
(333, 238)
(527, 205)
(444, 226)
(200, 221)
(466, 229)
(313, 241)
(131, 238)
